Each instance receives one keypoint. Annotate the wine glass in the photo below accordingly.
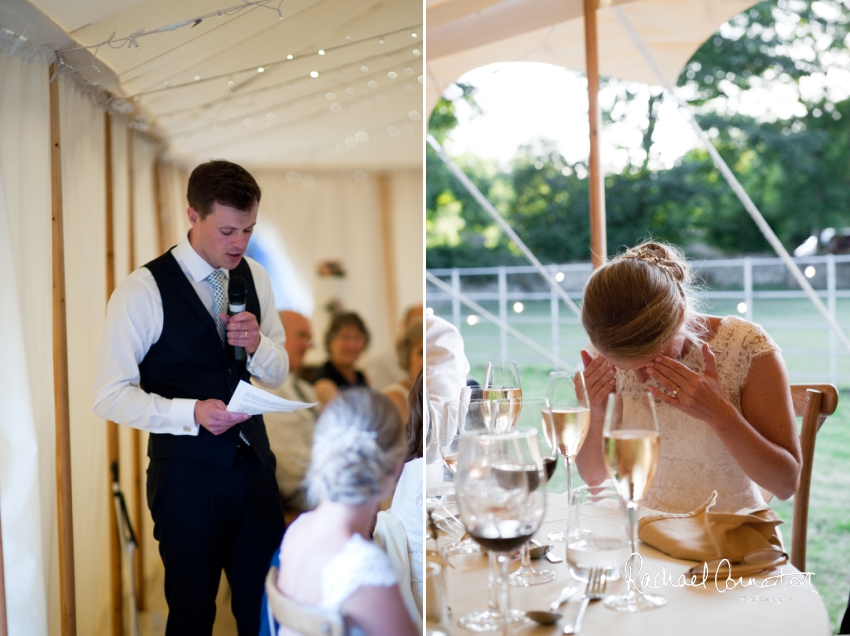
(527, 574)
(501, 382)
(631, 447)
(566, 424)
(501, 495)
(460, 417)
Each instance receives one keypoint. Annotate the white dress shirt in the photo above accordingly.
(446, 365)
(134, 321)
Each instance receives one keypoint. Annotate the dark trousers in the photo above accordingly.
(207, 520)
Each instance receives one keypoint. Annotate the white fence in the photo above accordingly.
(759, 289)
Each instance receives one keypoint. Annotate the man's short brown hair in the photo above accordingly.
(221, 181)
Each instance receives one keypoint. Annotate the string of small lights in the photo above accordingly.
(343, 68)
(289, 58)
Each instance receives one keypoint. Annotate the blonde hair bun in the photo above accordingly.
(358, 443)
(639, 300)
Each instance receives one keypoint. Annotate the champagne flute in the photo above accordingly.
(566, 423)
(527, 574)
(501, 489)
(501, 382)
(631, 447)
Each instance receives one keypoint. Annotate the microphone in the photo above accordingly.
(237, 293)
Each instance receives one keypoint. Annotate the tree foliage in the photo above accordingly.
(796, 170)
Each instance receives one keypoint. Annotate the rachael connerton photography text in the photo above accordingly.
(723, 579)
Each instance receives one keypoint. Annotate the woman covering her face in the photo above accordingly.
(722, 394)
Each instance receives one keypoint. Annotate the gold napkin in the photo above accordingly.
(747, 537)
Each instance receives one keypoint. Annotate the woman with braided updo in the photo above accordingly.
(327, 557)
(723, 401)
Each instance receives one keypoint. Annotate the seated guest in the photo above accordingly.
(345, 340)
(326, 558)
(291, 434)
(409, 352)
(407, 503)
(723, 402)
(382, 366)
(446, 366)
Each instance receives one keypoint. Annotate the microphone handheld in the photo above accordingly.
(237, 294)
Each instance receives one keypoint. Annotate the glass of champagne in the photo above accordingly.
(527, 574)
(501, 382)
(566, 423)
(501, 494)
(631, 447)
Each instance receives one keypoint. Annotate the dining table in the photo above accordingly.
(778, 602)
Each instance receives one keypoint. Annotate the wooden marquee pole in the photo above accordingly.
(596, 180)
(65, 520)
(135, 434)
(388, 242)
(112, 448)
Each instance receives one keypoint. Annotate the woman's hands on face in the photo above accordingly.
(600, 380)
(698, 395)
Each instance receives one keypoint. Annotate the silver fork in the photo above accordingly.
(596, 585)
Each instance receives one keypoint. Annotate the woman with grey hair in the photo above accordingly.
(327, 557)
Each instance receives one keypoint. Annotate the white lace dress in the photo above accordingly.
(693, 460)
(360, 563)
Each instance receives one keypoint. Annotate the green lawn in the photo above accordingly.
(828, 550)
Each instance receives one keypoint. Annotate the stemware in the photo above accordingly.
(527, 574)
(631, 447)
(565, 424)
(458, 418)
(501, 382)
(501, 495)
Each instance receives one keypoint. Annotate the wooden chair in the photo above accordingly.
(301, 618)
(814, 403)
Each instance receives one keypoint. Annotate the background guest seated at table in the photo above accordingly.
(345, 340)
(407, 503)
(721, 388)
(381, 367)
(291, 434)
(409, 356)
(326, 557)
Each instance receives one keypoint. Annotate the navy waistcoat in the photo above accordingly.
(189, 361)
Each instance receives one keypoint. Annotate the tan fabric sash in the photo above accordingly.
(298, 617)
(744, 538)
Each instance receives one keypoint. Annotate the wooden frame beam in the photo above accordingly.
(388, 243)
(135, 434)
(112, 446)
(65, 519)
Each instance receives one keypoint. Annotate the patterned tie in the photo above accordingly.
(217, 278)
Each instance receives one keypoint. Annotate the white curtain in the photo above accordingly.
(84, 207)
(321, 216)
(27, 481)
(408, 236)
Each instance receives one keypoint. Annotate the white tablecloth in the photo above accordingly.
(790, 607)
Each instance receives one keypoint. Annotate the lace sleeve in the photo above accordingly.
(737, 344)
(360, 564)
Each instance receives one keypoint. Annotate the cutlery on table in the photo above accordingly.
(552, 616)
(595, 591)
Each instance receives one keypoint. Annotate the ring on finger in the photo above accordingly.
(246, 335)
(675, 392)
